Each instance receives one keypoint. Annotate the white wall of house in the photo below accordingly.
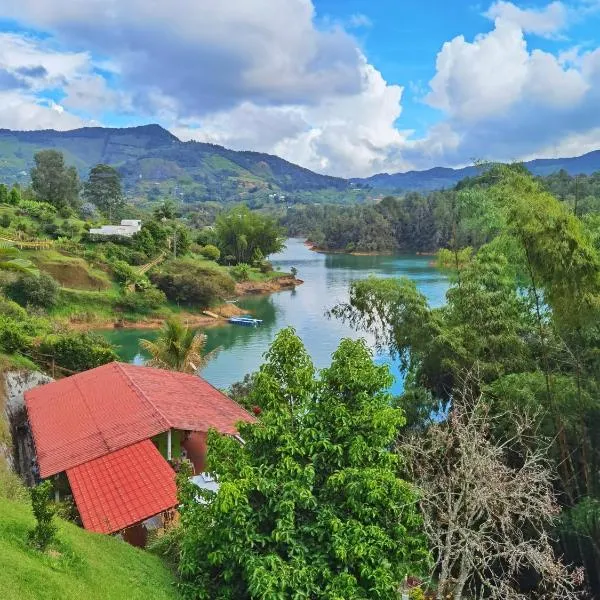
(127, 228)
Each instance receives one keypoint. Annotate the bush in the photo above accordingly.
(142, 302)
(123, 272)
(241, 272)
(43, 511)
(266, 267)
(9, 308)
(14, 336)
(211, 252)
(187, 282)
(114, 252)
(78, 351)
(39, 291)
(38, 210)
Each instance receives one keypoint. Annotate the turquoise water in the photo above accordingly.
(326, 282)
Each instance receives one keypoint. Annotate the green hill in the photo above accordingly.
(153, 162)
(89, 567)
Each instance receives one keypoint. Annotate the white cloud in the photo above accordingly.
(261, 75)
(545, 22)
(22, 111)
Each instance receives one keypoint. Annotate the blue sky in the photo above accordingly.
(348, 87)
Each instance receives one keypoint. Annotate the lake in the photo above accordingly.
(327, 278)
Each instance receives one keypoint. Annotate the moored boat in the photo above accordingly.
(247, 321)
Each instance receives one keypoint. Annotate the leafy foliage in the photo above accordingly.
(103, 190)
(310, 505)
(54, 182)
(523, 313)
(211, 252)
(187, 282)
(43, 511)
(78, 351)
(240, 233)
(177, 348)
(241, 272)
(41, 291)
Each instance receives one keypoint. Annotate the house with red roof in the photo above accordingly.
(108, 437)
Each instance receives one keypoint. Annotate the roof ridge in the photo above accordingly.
(91, 414)
(196, 376)
(141, 392)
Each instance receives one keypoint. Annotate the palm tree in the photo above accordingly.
(10, 260)
(178, 348)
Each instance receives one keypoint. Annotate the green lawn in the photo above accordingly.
(89, 566)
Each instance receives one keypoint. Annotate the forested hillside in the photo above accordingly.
(426, 222)
(154, 163)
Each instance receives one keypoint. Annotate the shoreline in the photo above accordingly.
(192, 319)
(315, 248)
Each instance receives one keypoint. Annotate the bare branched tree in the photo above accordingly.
(487, 522)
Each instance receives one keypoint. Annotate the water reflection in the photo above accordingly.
(326, 281)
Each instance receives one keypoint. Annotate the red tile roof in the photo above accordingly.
(122, 488)
(85, 416)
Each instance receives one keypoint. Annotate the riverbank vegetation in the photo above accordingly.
(416, 222)
(521, 328)
(63, 276)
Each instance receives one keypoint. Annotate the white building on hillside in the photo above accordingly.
(127, 228)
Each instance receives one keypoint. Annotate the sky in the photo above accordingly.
(343, 87)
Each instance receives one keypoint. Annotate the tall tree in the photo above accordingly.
(310, 506)
(103, 189)
(177, 348)
(14, 196)
(240, 232)
(3, 194)
(54, 182)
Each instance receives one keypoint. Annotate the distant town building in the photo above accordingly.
(127, 228)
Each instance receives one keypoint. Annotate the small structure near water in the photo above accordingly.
(109, 437)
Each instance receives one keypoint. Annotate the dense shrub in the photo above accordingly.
(207, 237)
(9, 308)
(14, 335)
(112, 251)
(78, 351)
(187, 282)
(211, 252)
(39, 291)
(39, 210)
(241, 272)
(142, 302)
(123, 273)
(266, 267)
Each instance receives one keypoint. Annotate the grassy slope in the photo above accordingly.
(91, 567)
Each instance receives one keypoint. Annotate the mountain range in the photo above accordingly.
(154, 163)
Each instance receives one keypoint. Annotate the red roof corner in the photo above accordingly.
(123, 488)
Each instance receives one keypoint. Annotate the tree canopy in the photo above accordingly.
(53, 181)
(310, 505)
(523, 312)
(103, 189)
(241, 232)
